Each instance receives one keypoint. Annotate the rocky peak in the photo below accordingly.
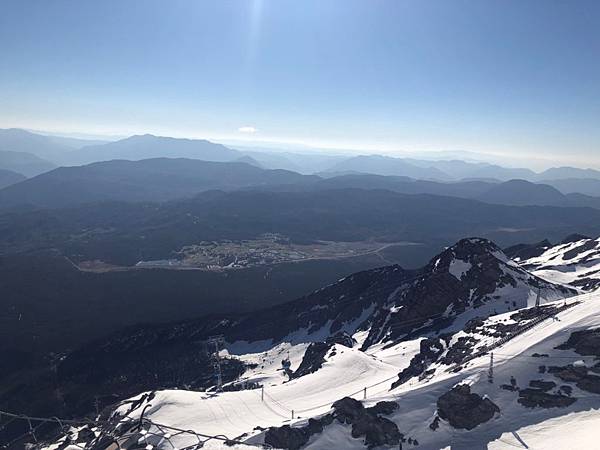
(473, 274)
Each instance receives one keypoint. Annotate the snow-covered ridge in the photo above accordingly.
(575, 263)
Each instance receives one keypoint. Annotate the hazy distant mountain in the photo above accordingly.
(306, 163)
(502, 173)
(385, 165)
(249, 160)
(47, 147)
(406, 185)
(458, 169)
(76, 143)
(513, 192)
(563, 173)
(148, 146)
(24, 163)
(521, 192)
(587, 186)
(577, 199)
(147, 180)
(8, 177)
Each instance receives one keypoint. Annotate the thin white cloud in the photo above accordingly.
(249, 130)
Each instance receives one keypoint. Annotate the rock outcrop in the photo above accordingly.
(367, 423)
(314, 356)
(465, 410)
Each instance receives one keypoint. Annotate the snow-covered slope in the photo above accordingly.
(574, 262)
(544, 390)
(397, 341)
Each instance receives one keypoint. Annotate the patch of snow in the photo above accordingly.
(458, 268)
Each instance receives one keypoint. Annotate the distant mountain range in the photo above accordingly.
(126, 233)
(512, 192)
(149, 146)
(139, 181)
(21, 141)
(69, 151)
(455, 170)
(385, 165)
(26, 164)
(161, 179)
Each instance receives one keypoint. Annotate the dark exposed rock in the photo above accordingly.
(385, 408)
(429, 351)
(438, 292)
(584, 342)
(314, 356)
(474, 325)
(465, 410)
(574, 238)
(342, 338)
(460, 350)
(531, 398)
(347, 410)
(366, 422)
(579, 375)
(313, 359)
(287, 437)
(537, 395)
(586, 246)
(568, 390)
(376, 430)
(527, 251)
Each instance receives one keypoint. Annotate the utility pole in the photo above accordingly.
(538, 298)
(262, 393)
(491, 369)
(364, 393)
(216, 359)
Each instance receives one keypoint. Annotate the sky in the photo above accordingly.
(516, 78)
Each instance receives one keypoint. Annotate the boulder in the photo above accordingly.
(367, 422)
(287, 437)
(465, 410)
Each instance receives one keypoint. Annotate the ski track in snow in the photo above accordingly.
(236, 414)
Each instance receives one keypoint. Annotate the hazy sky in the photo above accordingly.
(517, 77)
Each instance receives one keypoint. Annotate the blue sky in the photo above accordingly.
(520, 78)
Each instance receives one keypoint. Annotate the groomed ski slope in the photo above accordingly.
(237, 414)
